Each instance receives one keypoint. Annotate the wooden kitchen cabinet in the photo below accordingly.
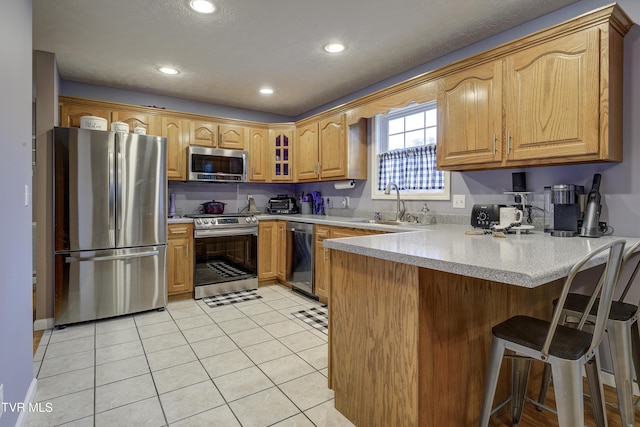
(329, 149)
(180, 258)
(281, 153)
(136, 118)
(470, 117)
(307, 153)
(231, 137)
(322, 272)
(70, 113)
(267, 250)
(176, 132)
(203, 133)
(555, 98)
(258, 152)
(284, 257)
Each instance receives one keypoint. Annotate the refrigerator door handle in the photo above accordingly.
(119, 191)
(112, 200)
(71, 259)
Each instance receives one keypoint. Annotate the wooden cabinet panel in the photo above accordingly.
(280, 153)
(135, 118)
(470, 116)
(258, 146)
(322, 263)
(174, 130)
(70, 114)
(284, 257)
(333, 143)
(267, 250)
(180, 258)
(307, 155)
(203, 133)
(552, 98)
(231, 137)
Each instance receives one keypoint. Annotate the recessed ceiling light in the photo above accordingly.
(202, 6)
(168, 70)
(334, 47)
(266, 91)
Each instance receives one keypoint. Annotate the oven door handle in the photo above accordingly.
(230, 232)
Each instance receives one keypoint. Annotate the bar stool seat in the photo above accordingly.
(566, 350)
(624, 336)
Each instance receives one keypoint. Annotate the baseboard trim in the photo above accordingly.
(31, 393)
(43, 324)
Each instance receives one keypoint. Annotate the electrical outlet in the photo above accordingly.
(345, 202)
(458, 201)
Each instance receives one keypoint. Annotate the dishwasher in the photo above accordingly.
(300, 273)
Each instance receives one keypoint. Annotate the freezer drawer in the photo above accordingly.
(98, 284)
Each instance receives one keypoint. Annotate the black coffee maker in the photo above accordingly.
(565, 207)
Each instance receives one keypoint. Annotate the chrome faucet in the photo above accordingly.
(399, 212)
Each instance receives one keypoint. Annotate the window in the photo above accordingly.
(405, 153)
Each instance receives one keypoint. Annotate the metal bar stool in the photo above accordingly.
(624, 336)
(566, 349)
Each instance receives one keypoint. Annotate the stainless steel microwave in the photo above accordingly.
(217, 165)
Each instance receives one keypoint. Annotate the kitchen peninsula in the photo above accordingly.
(411, 316)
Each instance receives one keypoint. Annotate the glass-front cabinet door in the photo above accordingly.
(281, 153)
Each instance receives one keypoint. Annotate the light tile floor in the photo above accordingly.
(245, 364)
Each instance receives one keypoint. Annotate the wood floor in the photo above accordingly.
(534, 418)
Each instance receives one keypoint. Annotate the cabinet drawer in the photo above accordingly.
(180, 230)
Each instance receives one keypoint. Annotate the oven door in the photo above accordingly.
(225, 261)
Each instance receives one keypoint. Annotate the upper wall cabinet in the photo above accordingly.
(231, 137)
(281, 153)
(330, 149)
(555, 98)
(176, 132)
(258, 151)
(203, 133)
(70, 114)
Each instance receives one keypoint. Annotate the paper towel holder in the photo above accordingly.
(341, 185)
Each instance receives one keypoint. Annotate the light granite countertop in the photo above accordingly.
(527, 260)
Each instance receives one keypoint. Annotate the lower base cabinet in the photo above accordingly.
(180, 259)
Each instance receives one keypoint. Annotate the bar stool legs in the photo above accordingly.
(620, 340)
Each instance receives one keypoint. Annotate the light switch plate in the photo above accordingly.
(458, 201)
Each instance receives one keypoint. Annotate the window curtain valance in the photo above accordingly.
(410, 168)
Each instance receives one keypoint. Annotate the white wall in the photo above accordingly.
(16, 361)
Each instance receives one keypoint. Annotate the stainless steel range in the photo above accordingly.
(226, 255)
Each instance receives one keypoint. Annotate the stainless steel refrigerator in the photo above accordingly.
(110, 224)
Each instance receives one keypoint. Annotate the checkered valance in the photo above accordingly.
(410, 168)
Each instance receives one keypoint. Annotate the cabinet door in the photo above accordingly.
(322, 275)
(180, 258)
(307, 156)
(70, 114)
(267, 250)
(258, 141)
(173, 129)
(231, 137)
(284, 257)
(333, 147)
(552, 98)
(470, 116)
(281, 160)
(203, 133)
(134, 119)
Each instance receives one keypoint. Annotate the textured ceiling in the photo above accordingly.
(225, 57)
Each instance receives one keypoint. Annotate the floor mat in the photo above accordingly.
(316, 317)
(231, 298)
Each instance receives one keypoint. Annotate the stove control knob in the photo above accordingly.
(247, 220)
(198, 221)
(205, 221)
(254, 219)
